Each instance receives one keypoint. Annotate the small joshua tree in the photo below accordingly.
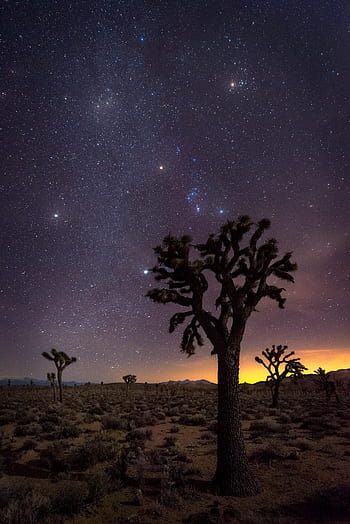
(51, 377)
(326, 383)
(61, 361)
(275, 358)
(239, 268)
(129, 379)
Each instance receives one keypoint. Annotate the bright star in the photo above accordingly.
(161, 168)
(55, 215)
(145, 271)
(221, 211)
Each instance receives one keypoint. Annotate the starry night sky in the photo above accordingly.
(122, 121)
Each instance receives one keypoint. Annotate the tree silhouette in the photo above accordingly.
(325, 382)
(275, 358)
(61, 361)
(51, 377)
(241, 274)
(129, 379)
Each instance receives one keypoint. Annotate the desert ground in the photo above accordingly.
(147, 456)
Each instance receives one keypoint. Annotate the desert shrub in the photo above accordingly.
(29, 444)
(139, 434)
(20, 431)
(145, 419)
(117, 470)
(156, 457)
(207, 436)
(284, 419)
(266, 454)
(7, 416)
(192, 470)
(323, 425)
(24, 418)
(55, 458)
(193, 420)
(159, 415)
(22, 504)
(48, 426)
(67, 430)
(89, 418)
(173, 412)
(329, 505)
(93, 451)
(263, 428)
(174, 429)
(113, 422)
(169, 442)
(345, 434)
(182, 457)
(98, 486)
(302, 444)
(247, 416)
(70, 498)
(96, 410)
(50, 416)
(296, 418)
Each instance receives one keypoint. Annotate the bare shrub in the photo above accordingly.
(113, 422)
(303, 444)
(24, 505)
(193, 420)
(93, 451)
(70, 498)
(139, 434)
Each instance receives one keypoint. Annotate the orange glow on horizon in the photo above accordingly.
(205, 367)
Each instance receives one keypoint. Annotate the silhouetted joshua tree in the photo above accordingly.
(325, 382)
(275, 358)
(129, 379)
(241, 270)
(61, 361)
(51, 377)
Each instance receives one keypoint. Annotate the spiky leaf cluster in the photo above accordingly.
(277, 357)
(129, 379)
(60, 358)
(240, 264)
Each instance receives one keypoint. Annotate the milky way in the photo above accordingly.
(123, 121)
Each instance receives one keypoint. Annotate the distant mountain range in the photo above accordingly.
(187, 382)
(341, 374)
(26, 381)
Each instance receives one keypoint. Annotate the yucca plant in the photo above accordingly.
(61, 361)
(279, 365)
(236, 268)
(51, 377)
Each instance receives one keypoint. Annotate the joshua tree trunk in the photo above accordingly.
(59, 380)
(54, 392)
(275, 394)
(233, 476)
